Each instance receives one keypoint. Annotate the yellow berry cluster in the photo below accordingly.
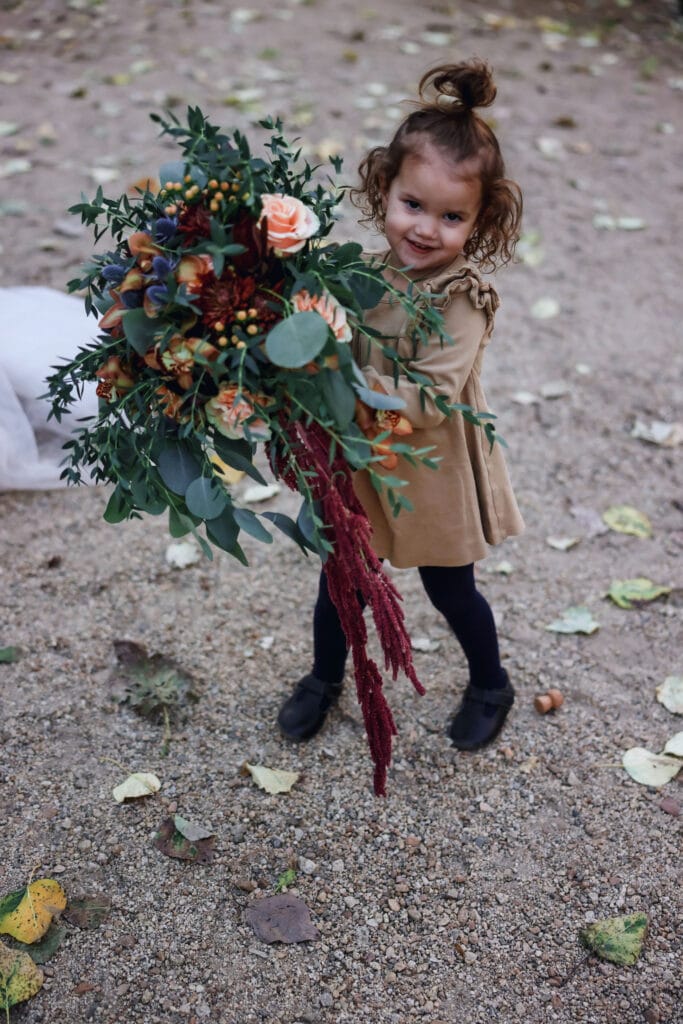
(247, 320)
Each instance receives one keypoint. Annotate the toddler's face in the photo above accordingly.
(431, 208)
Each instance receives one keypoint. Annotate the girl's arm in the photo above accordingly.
(447, 365)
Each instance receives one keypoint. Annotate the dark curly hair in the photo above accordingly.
(447, 119)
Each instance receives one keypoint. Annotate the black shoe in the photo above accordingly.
(481, 715)
(302, 715)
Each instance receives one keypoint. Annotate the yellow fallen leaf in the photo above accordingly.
(27, 914)
(627, 593)
(273, 780)
(627, 519)
(19, 977)
(136, 785)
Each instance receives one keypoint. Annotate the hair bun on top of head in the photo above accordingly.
(459, 88)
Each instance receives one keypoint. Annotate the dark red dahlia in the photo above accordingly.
(223, 298)
(194, 222)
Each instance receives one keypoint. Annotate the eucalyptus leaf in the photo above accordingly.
(178, 467)
(249, 522)
(377, 399)
(339, 397)
(139, 330)
(206, 498)
(297, 339)
(223, 531)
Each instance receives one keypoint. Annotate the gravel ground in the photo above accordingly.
(460, 896)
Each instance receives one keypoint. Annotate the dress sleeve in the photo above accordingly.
(468, 319)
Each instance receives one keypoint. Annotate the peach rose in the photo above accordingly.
(328, 308)
(231, 409)
(290, 223)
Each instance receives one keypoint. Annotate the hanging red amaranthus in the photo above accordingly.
(355, 578)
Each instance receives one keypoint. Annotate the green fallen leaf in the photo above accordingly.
(626, 593)
(286, 879)
(41, 952)
(577, 619)
(19, 977)
(627, 519)
(617, 939)
(9, 654)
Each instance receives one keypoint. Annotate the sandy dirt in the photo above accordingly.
(461, 895)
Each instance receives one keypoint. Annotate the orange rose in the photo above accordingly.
(328, 308)
(231, 409)
(290, 223)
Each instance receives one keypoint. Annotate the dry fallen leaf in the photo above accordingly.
(88, 911)
(670, 694)
(424, 644)
(562, 543)
(545, 308)
(260, 492)
(137, 785)
(281, 918)
(668, 435)
(674, 746)
(185, 840)
(577, 619)
(650, 769)
(273, 780)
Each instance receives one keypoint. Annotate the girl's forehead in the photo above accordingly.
(430, 159)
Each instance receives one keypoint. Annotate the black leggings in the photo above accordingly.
(453, 592)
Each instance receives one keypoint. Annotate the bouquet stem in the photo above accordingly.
(355, 578)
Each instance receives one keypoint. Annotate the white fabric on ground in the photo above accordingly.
(39, 329)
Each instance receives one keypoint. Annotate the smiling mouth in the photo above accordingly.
(419, 246)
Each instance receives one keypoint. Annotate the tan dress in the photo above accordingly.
(467, 503)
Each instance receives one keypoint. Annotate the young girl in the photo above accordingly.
(438, 193)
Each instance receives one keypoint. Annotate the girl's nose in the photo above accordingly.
(426, 227)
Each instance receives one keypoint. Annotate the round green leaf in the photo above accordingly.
(178, 468)
(297, 339)
(206, 498)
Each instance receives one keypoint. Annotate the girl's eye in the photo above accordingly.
(412, 204)
(453, 218)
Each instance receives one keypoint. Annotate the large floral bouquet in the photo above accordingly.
(225, 320)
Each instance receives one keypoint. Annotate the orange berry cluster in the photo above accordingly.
(247, 319)
(216, 192)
